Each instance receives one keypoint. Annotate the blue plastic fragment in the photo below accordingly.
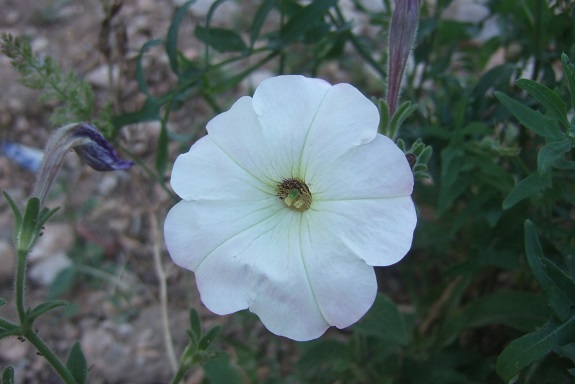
(29, 158)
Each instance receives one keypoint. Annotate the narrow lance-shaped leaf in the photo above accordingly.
(45, 307)
(172, 36)
(305, 20)
(551, 153)
(533, 346)
(8, 375)
(562, 280)
(400, 115)
(222, 40)
(532, 120)
(77, 365)
(259, 20)
(569, 70)
(558, 301)
(526, 188)
(550, 100)
(208, 338)
(140, 75)
(195, 323)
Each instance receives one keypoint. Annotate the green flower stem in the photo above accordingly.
(183, 367)
(20, 282)
(26, 329)
(50, 356)
(179, 376)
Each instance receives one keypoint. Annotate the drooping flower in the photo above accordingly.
(288, 203)
(89, 145)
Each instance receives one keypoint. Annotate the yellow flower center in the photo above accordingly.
(295, 194)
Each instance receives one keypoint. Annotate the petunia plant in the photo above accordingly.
(288, 203)
(292, 148)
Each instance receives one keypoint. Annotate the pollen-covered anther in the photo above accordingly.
(295, 194)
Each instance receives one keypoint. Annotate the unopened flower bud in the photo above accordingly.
(401, 34)
(90, 146)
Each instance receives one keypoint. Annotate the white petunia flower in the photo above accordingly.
(288, 203)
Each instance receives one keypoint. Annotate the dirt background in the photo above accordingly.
(110, 224)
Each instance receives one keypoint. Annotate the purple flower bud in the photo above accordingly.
(402, 31)
(87, 142)
(95, 151)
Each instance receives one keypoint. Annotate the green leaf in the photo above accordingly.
(324, 352)
(2, 301)
(551, 153)
(219, 370)
(559, 302)
(222, 40)
(195, 323)
(567, 351)
(383, 116)
(77, 365)
(555, 106)
(10, 332)
(8, 375)
(384, 321)
(259, 19)
(150, 111)
(140, 75)
(533, 346)
(43, 308)
(403, 112)
(28, 234)
(527, 187)
(15, 212)
(561, 279)
(522, 311)
(162, 150)
(172, 36)
(45, 215)
(305, 20)
(532, 120)
(208, 338)
(569, 70)
(62, 283)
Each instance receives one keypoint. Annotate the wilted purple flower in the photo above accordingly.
(95, 150)
(87, 142)
(402, 31)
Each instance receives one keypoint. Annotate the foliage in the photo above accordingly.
(486, 294)
(75, 96)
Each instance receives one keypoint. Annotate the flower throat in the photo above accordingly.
(295, 194)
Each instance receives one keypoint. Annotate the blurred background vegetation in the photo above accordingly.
(493, 254)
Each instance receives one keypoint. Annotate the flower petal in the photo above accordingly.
(343, 284)
(374, 170)
(208, 173)
(266, 134)
(287, 107)
(194, 229)
(378, 231)
(262, 268)
(238, 133)
(344, 120)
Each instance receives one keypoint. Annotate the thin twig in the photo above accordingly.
(163, 292)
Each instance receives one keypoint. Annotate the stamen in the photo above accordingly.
(295, 194)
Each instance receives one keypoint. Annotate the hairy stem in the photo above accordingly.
(20, 284)
(163, 293)
(50, 356)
